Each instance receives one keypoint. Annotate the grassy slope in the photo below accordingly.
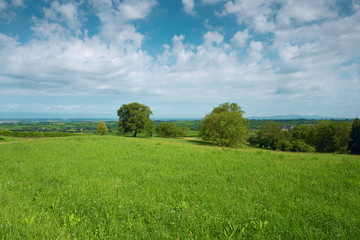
(115, 187)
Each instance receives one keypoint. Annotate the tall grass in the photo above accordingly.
(107, 187)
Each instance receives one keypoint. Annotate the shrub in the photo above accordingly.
(167, 129)
(182, 131)
(301, 146)
(283, 145)
(102, 128)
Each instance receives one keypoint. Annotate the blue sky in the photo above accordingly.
(180, 57)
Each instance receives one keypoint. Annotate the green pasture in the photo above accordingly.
(110, 187)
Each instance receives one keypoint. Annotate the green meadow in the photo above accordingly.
(111, 187)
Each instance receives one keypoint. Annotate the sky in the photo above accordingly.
(180, 57)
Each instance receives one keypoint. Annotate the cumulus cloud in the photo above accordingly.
(189, 6)
(136, 9)
(66, 13)
(8, 9)
(213, 39)
(240, 38)
(281, 54)
(306, 11)
(247, 10)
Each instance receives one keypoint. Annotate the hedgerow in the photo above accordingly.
(34, 134)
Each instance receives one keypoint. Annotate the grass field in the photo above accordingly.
(109, 187)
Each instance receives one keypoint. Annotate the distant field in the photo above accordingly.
(109, 187)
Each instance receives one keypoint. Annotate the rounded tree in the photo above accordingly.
(225, 126)
(134, 118)
(102, 128)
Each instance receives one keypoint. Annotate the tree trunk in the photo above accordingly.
(135, 133)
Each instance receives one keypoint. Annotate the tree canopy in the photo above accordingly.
(354, 143)
(225, 125)
(268, 135)
(134, 118)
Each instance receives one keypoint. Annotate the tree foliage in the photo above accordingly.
(225, 125)
(168, 129)
(102, 128)
(354, 143)
(327, 136)
(268, 135)
(135, 118)
(302, 131)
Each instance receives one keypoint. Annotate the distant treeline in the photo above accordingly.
(291, 123)
(91, 126)
(323, 136)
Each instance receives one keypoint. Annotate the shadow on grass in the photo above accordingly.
(200, 142)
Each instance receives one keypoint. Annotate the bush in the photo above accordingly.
(182, 131)
(283, 145)
(102, 128)
(301, 146)
(167, 129)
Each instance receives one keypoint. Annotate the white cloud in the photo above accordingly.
(115, 20)
(180, 51)
(7, 42)
(247, 10)
(211, 1)
(189, 6)
(11, 106)
(3, 5)
(67, 107)
(255, 51)
(288, 52)
(17, 3)
(139, 9)
(306, 11)
(213, 39)
(289, 57)
(63, 13)
(240, 38)
(262, 25)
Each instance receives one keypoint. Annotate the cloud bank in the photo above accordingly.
(282, 55)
